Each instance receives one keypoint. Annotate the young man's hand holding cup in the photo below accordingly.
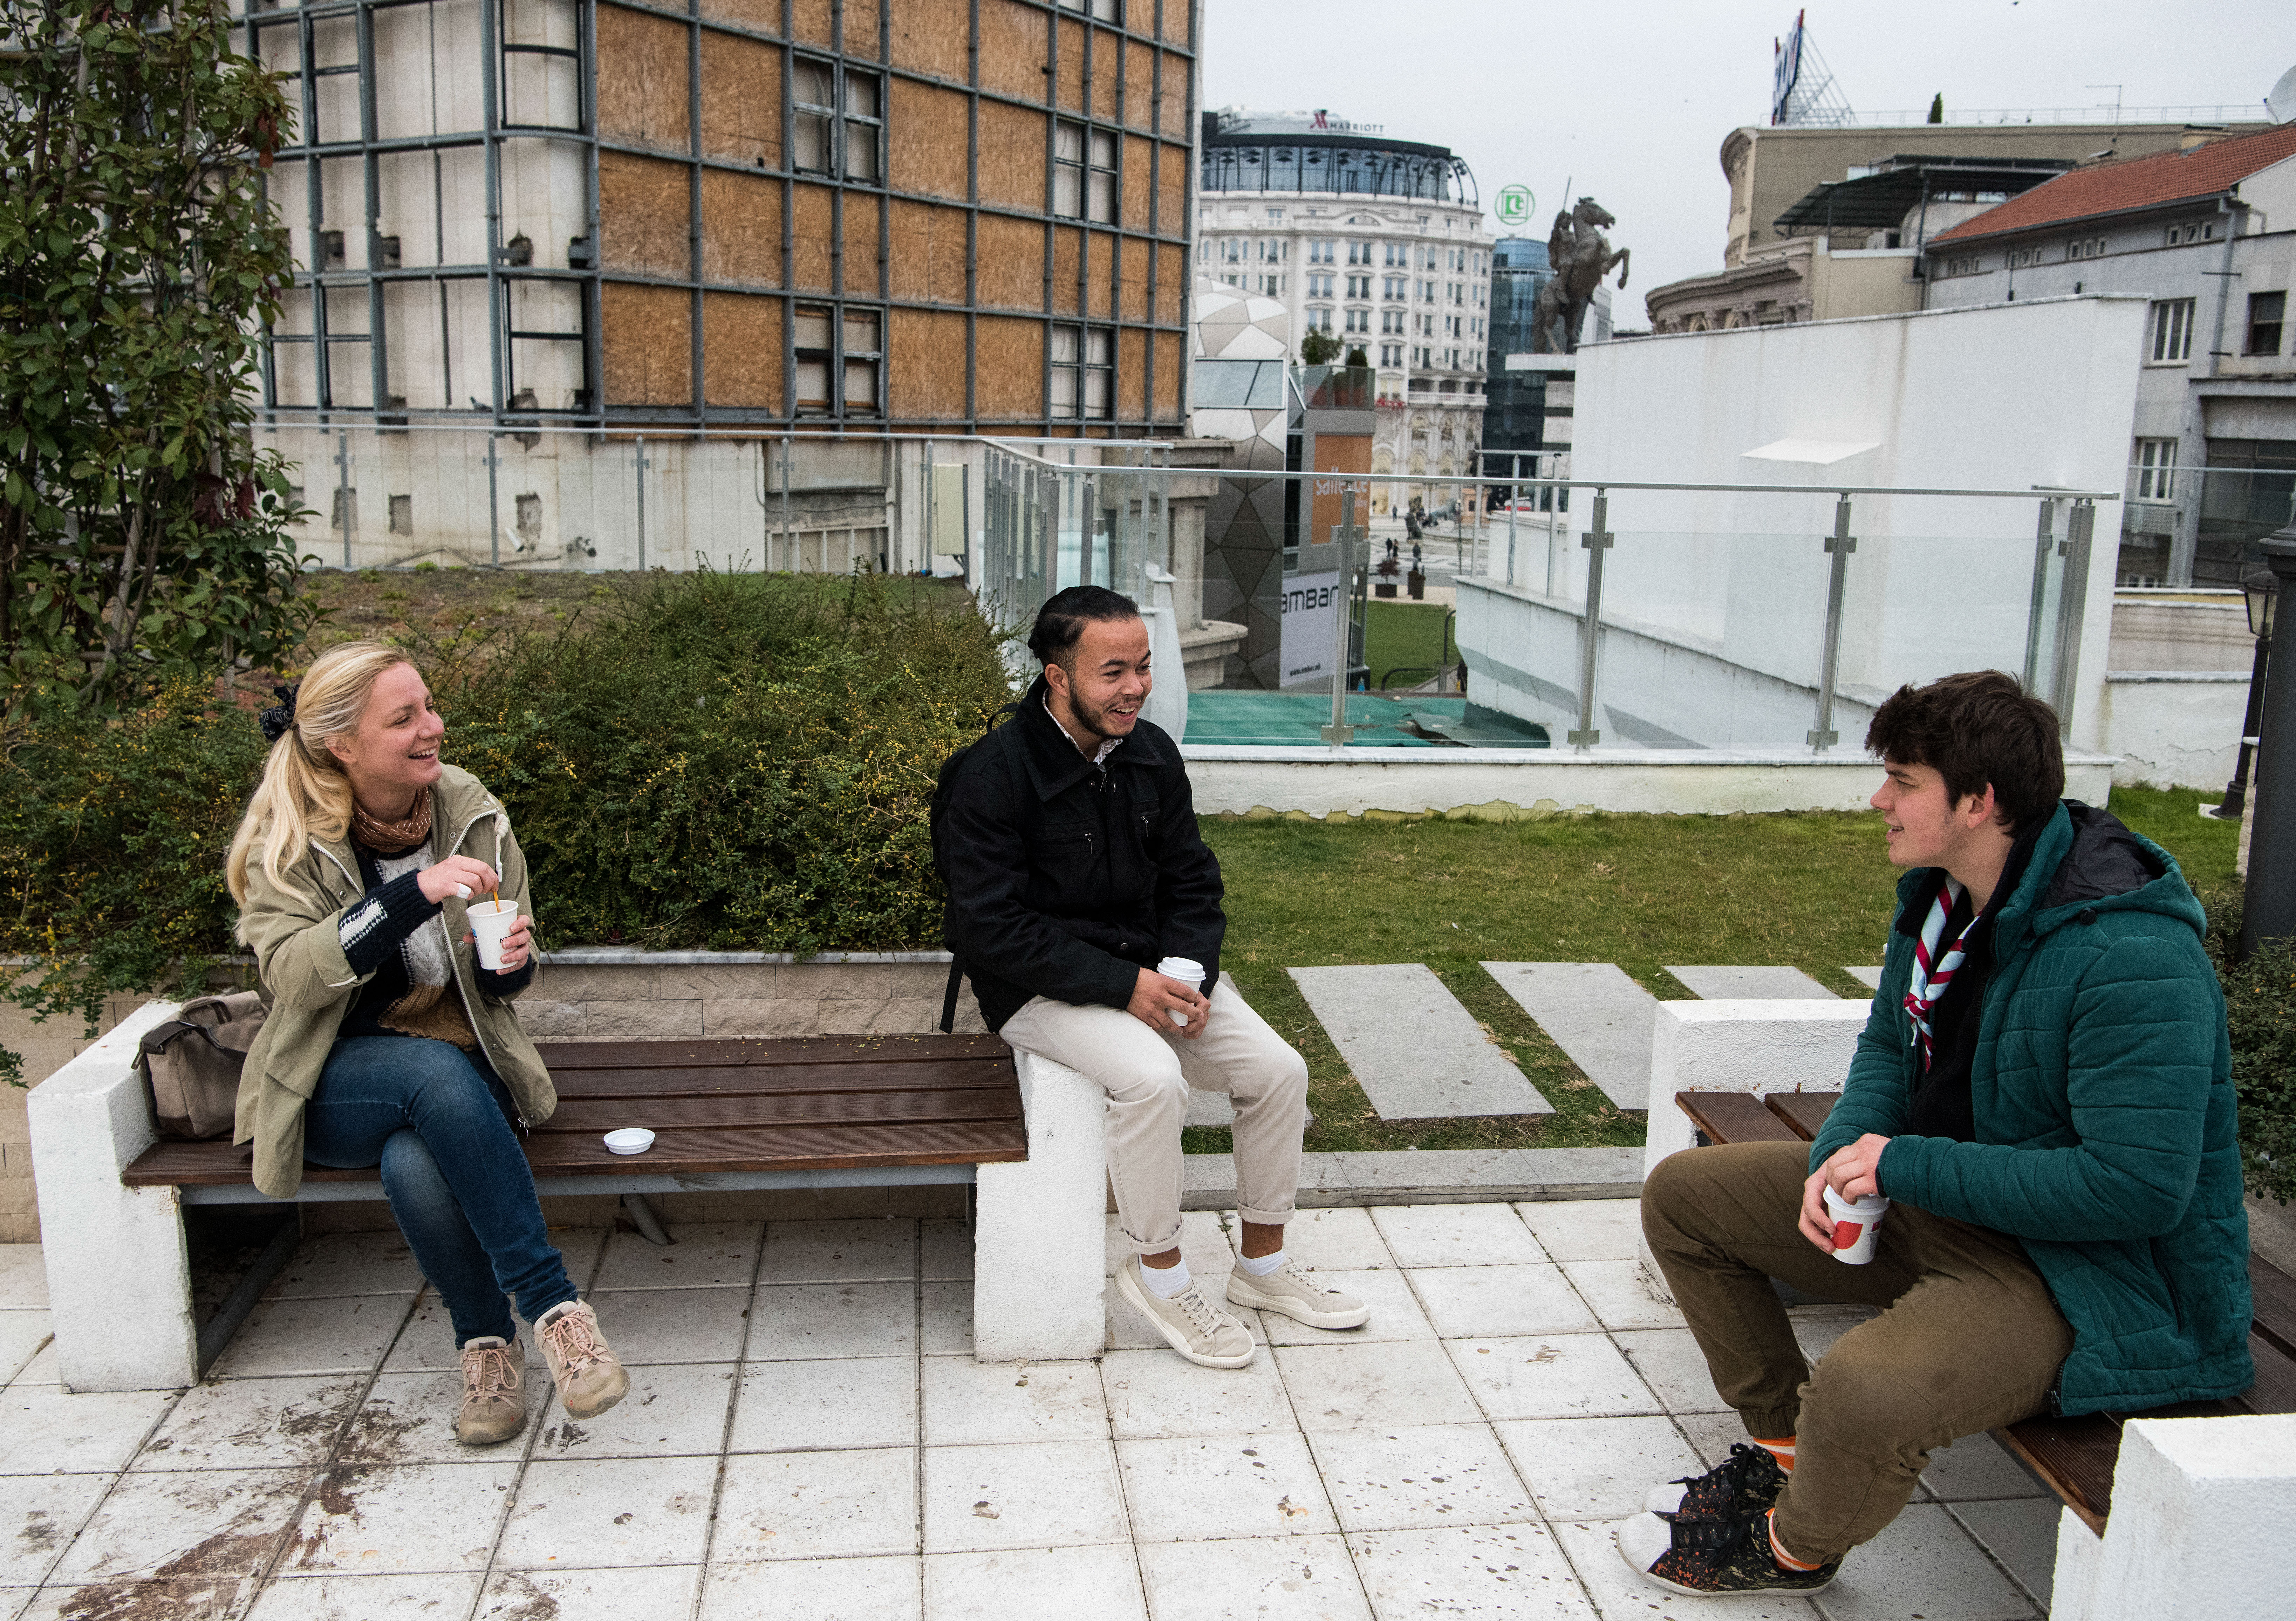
(1167, 1003)
(1853, 1176)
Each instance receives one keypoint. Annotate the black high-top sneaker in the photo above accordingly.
(1746, 1482)
(1699, 1557)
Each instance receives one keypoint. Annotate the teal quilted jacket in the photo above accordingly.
(2105, 1127)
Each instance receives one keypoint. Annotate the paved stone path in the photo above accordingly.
(809, 1438)
(1594, 1013)
(1417, 1051)
(1419, 1054)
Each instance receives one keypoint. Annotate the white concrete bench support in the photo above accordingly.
(1739, 1045)
(119, 1284)
(2202, 1527)
(1037, 1238)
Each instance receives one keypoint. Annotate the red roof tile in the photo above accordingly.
(2139, 183)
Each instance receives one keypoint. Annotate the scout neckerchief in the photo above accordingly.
(1932, 975)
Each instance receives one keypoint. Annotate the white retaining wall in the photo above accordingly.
(2174, 728)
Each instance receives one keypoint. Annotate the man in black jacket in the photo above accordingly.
(1074, 868)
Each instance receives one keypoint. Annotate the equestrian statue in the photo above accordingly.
(1581, 258)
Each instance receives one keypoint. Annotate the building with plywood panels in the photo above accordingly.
(850, 215)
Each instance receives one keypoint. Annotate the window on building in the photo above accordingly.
(1275, 217)
(2019, 257)
(1083, 165)
(1359, 321)
(864, 112)
(1319, 320)
(1964, 265)
(1320, 250)
(814, 96)
(840, 361)
(2156, 470)
(2172, 332)
(2197, 230)
(1359, 287)
(1232, 250)
(1082, 358)
(1427, 292)
(1390, 354)
(1319, 284)
(1418, 355)
(2085, 248)
(1391, 321)
(1100, 182)
(1107, 11)
(1397, 254)
(1426, 325)
(2266, 313)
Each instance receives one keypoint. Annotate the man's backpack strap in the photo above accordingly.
(1010, 747)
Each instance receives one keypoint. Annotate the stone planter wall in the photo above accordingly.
(600, 995)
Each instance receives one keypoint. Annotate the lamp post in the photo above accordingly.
(2260, 588)
(2268, 912)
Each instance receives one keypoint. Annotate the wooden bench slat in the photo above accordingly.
(702, 1080)
(730, 1051)
(2275, 1389)
(1804, 1112)
(1734, 1116)
(2274, 1293)
(2073, 1457)
(594, 1117)
(788, 1148)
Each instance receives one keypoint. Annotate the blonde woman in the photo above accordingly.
(386, 1043)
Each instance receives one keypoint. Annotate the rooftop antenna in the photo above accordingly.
(1803, 94)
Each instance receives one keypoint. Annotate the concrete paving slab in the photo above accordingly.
(1867, 974)
(1771, 982)
(1595, 1013)
(1417, 1053)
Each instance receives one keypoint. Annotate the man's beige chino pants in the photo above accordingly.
(1147, 1076)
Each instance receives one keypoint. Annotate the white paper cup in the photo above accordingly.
(490, 921)
(1189, 972)
(630, 1140)
(1855, 1224)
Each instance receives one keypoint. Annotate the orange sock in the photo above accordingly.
(1782, 1450)
(1778, 1550)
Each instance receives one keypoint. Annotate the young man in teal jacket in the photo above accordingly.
(2044, 1092)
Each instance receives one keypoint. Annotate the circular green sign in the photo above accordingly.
(1514, 205)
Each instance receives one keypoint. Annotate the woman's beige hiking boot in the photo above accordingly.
(494, 1392)
(588, 1378)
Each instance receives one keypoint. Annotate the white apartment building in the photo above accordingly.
(1379, 243)
(2207, 234)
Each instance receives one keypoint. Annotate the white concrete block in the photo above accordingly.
(1038, 1226)
(119, 1282)
(2072, 1591)
(1739, 1046)
(2203, 1524)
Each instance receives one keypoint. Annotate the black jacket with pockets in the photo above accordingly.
(1066, 878)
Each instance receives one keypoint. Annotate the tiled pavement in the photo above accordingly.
(808, 1436)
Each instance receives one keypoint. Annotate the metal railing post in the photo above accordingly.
(2045, 535)
(343, 488)
(789, 546)
(1838, 545)
(2073, 593)
(1339, 733)
(1596, 541)
(1514, 499)
(641, 478)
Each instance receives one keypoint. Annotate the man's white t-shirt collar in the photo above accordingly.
(1107, 746)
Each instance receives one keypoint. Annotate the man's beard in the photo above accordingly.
(1094, 719)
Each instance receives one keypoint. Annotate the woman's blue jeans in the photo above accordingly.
(436, 1123)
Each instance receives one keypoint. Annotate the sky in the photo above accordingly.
(1629, 100)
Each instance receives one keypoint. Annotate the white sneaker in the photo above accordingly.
(1292, 1290)
(1195, 1328)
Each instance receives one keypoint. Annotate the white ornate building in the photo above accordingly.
(1379, 243)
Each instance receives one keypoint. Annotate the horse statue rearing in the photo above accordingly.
(1581, 258)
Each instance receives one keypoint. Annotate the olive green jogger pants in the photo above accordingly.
(1968, 1338)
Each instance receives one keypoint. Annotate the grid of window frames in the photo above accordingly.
(1083, 367)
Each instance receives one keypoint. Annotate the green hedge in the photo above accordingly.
(720, 761)
(2260, 1006)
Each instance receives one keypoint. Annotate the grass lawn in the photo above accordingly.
(1814, 890)
(1396, 633)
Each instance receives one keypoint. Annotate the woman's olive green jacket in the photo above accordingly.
(308, 985)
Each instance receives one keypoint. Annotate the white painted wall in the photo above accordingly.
(1998, 398)
(2174, 728)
